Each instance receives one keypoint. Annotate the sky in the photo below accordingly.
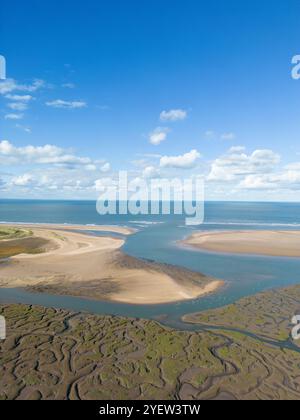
(157, 88)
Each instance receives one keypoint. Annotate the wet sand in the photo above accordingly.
(270, 243)
(78, 264)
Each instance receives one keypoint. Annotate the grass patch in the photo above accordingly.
(28, 245)
(14, 233)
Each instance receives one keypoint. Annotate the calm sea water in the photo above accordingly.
(156, 240)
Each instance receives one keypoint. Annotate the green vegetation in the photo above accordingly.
(14, 233)
(266, 314)
(55, 354)
(23, 244)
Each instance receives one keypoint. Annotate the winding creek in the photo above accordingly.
(157, 240)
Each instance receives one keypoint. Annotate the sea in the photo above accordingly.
(158, 239)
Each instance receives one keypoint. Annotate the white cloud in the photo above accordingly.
(10, 85)
(228, 136)
(105, 168)
(14, 116)
(295, 166)
(22, 180)
(91, 167)
(18, 106)
(21, 98)
(26, 129)
(173, 115)
(49, 171)
(256, 182)
(236, 163)
(158, 135)
(48, 154)
(151, 172)
(186, 161)
(36, 85)
(100, 184)
(237, 149)
(288, 178)
(59, 103)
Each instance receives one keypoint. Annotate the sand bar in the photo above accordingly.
(78, 264)
(271, 243)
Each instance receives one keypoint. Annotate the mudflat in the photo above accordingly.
(72, 263)
(272, 243)
(57, 355)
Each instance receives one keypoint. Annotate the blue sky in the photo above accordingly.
(160, 88)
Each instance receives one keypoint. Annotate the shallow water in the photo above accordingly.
(157, 240)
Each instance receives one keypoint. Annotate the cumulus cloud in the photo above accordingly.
(106, 167)
(257, 182)
(21, 98)
(22, 180)
(287, 178)
(60, 103)
(173, 115)
(36, 85)
(13, 116)
(237, 149)
(151, 172)
(8, 85)
(11, 85)
(91, 167)
(237, 163)
(37, 182)
(102, 183)
(19, 102)
(18, 106)
(158, 135)
(45, 155)
(186, 161)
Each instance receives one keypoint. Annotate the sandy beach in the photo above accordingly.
(78, 264)
(122, 230)
(270, 243)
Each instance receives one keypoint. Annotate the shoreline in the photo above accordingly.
(258, 242)
(80, 265)
(122, 230)
(216, 285)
